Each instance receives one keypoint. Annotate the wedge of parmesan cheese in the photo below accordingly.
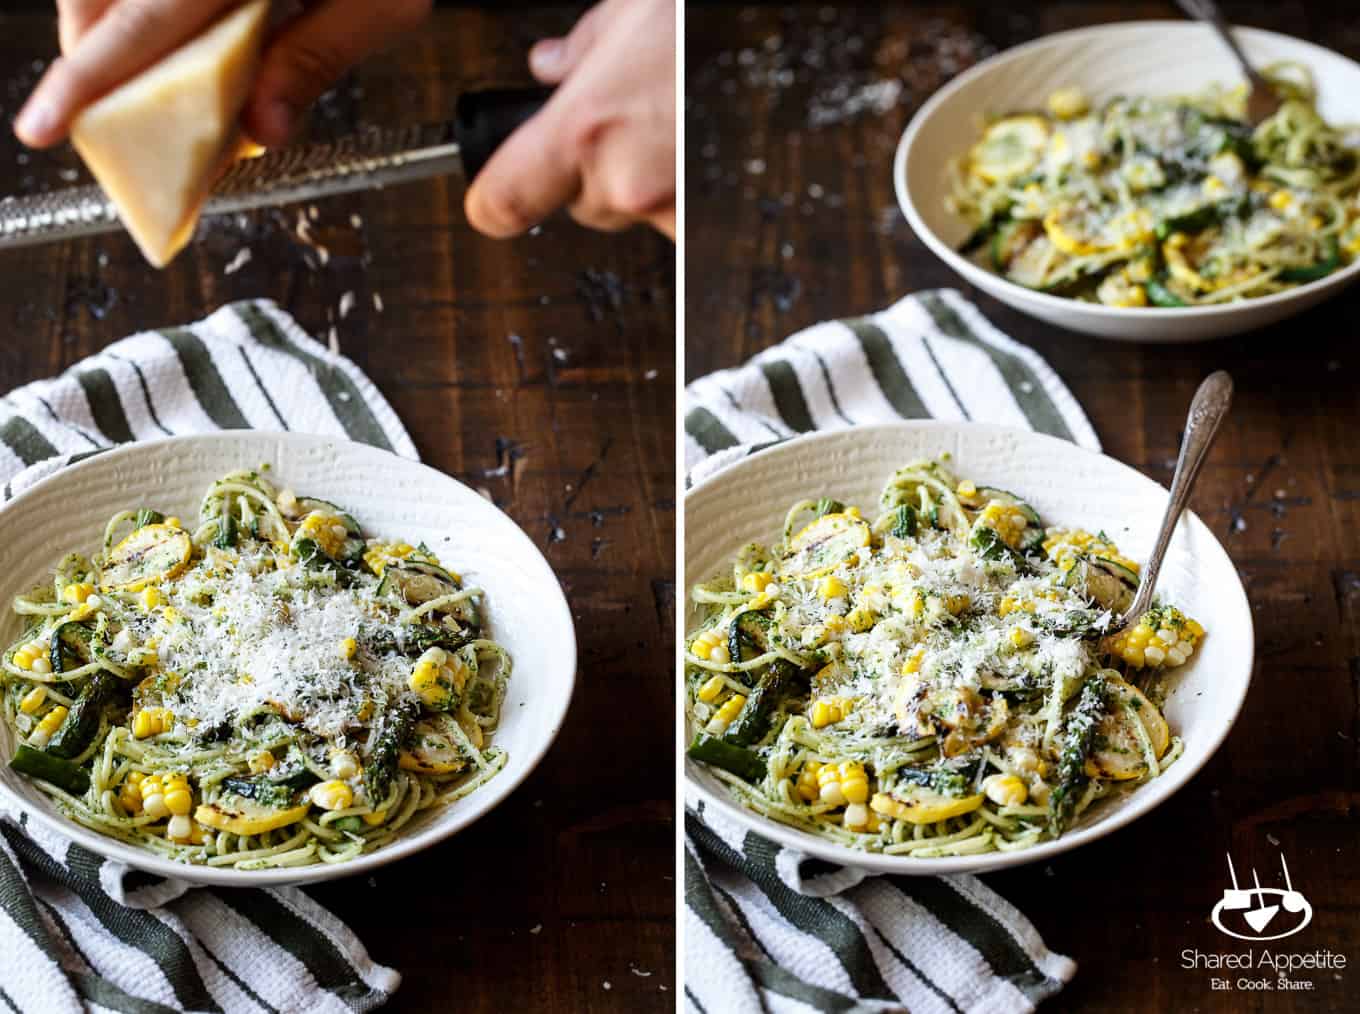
(157, 143)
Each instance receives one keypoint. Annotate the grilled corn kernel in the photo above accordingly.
(32, 701)
(706, 644)
(1065, 546)
(179, 798)
(843, 783)
(831, 587)
(858, 817)
(437, 679)
(827, 711)
(180, 829)
(130, 792)
(349, 647)
(725, 714)
(1020, 637)
(1280, 200)
(42, 665)
(1025, 759)
(1005, 790)
(380, 554)
(332, 795)
(152, 722)
(77, 593)
(326, 530)
(153, 797)
(173, 522)
(1163, 636)
(344, 765)
(861, 618)
(151, 597)
(1007, 520)
(756, 581)
(957, 603)
(83, 611)
(1068, 103)
(807, 785)
(260, 762)
(967, 488)
(708, 693)
(375, 818)
(48, 726)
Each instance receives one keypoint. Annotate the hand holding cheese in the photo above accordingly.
(152, 92)
(157, 143)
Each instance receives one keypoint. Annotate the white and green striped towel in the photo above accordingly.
(768, 929)
(79, 932)
(931, 355)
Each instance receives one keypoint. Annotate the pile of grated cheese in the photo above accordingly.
(250, 638)
(972, 651)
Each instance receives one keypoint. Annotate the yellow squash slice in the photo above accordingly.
(152, 553)
(824, 545)
(1009, 148)
(923, 806)
(244, 816)
(1120, 754)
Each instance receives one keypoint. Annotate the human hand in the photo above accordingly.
(604, 145)
(106, 42)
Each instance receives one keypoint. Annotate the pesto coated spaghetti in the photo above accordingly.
(1164, 201)
(268, 689)
(934, 681)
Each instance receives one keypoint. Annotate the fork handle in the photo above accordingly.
(1207, 412)
(1208, 12)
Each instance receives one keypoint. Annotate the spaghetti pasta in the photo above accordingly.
(937, 680)
(1163, 201)
(268, 688)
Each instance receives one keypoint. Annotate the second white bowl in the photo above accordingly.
(1136, 58)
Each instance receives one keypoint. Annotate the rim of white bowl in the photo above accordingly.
(974, 273)
(489, 796)
(1178, 775)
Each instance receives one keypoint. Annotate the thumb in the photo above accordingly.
(312, 52)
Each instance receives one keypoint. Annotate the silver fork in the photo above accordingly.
(1207, 411)
(1262, 102)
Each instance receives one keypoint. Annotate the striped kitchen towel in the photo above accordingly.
(769, 929)
(930, 356)
(79, 932)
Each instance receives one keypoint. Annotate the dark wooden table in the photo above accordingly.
(792, 219)
(540, 371)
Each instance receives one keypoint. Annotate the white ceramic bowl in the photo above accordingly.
(390, 496)
(1141, 57)
(1068, 486)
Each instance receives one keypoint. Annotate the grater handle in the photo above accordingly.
(484, 120)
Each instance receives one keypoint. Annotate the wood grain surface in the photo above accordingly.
(792, 219)
(540, 371)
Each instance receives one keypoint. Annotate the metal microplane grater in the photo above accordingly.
(372, 157)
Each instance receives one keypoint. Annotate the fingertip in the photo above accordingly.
(38, 124)
(271, 121)
(548, 60)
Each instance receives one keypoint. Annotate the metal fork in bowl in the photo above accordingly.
(1262, 102)
(1207, 411)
